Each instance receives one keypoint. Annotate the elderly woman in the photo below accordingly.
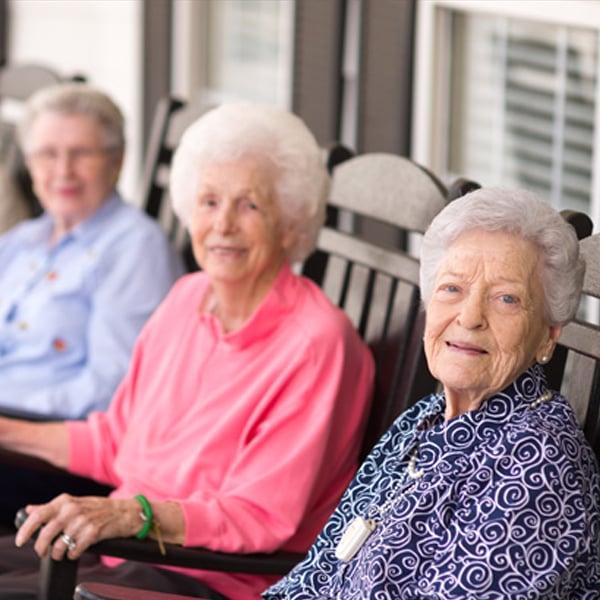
(246, 384)
(487, 489)
(78, 283)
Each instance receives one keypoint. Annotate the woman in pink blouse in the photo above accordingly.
(246, 382)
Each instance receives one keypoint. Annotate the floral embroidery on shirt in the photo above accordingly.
(59, 344)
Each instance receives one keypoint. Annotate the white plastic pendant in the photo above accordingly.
(354, 537)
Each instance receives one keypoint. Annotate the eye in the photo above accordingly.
(448, 292)
(449, 287)
(508, 303)
(46, 154)
(207, 201)
(246, 203)
(45, 157)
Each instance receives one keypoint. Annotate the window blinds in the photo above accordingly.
(522, 106)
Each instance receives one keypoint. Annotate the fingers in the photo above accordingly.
(58, 524)
(30, 526)
(76, 531)
(68, 525)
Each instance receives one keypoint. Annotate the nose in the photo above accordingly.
(64, 162)
(225, 218)
(472, 312)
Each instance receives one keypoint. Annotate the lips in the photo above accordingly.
(67, 191)
(465, 348)
(227, 250)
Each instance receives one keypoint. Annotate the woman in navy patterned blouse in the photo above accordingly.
(488, 489)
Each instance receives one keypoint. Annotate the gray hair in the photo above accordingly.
(522, 213)
(73, 99)
(238, 129)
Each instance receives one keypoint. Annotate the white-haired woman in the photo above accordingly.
(78, 283)
(237, 426)
(488, 489)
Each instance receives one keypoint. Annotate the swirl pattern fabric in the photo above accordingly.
(508, 507)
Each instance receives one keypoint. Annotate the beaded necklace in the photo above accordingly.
(361, 527)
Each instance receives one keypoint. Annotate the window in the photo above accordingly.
(234, 49)
(522, 106)
(510, 97)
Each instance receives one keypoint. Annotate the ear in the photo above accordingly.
(546, 349)
(289, 236)
(117, 166)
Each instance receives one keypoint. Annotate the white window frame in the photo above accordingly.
(190, 46)
(431, 85)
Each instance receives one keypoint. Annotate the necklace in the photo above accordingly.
(547, 395)
(361, 528)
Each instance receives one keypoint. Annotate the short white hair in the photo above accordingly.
(74, 99)
(237, 129)
(522, 213)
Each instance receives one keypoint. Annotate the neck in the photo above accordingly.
(459, 403)
(59, 231)
(235, 304)
(232, 314)
(62, 226)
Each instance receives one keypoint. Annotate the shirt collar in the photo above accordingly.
(493, 413)
(91, 227)
(88, 229)
(278, 302)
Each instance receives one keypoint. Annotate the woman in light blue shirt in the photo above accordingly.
(78, 283)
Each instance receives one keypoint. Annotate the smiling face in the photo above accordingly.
(486, 321)
(237, 232)
(73, 172)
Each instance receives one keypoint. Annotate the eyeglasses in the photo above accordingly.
(47, 158)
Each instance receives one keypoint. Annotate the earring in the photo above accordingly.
(544, 359)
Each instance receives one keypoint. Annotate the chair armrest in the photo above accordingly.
(276, 563)
(25, 461)
(147, 550)
(88, 590)
(16, 459)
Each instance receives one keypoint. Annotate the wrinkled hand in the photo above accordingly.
(85, 520)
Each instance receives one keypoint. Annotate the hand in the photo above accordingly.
(83, 521)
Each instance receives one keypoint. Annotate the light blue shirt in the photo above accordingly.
(70, 312)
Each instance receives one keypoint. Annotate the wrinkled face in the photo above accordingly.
(485, 321)
(237, 232)
(72, 170)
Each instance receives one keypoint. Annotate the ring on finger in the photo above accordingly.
(69, 541)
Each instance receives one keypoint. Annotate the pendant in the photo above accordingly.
(354, 537)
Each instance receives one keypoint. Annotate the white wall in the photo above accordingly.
(101, 39)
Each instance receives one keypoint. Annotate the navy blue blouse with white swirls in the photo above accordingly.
(508, 507)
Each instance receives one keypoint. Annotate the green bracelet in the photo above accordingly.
(146, 515)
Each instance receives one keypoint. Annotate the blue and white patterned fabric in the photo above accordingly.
(507, 507)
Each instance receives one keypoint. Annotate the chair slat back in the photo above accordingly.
(17, 83)
(376, 280)
(579, 380)
(171, 117)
